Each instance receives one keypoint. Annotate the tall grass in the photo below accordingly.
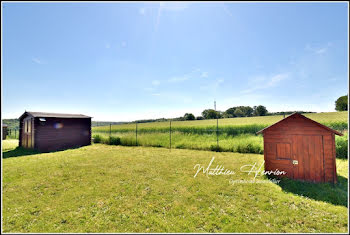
(244, 143)
(341, 145)
(229, 126)
(235, 134)
(240, 143)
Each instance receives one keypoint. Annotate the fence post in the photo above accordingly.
(170, 136)
(217, 133)
(110, 130)
(136, 133)
(15, 133)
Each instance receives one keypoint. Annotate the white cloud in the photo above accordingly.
(155, 83)
(142, 11)
(169, 6)
(204, 74)
(262, 82)
(173, 6)
(321, 50)
(318, 49)
(37, 60)
(179, 78)
(228, 12)
(212, 86)
(149, 89)
(196, 73)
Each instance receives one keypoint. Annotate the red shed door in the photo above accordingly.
(308, 161)
(279, 155)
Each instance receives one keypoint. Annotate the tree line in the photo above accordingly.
(238, 111)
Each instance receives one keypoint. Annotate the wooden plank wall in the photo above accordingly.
(313, 141)
(62, 133)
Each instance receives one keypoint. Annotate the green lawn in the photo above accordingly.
(102, 188)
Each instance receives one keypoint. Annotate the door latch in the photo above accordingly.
(295, 162)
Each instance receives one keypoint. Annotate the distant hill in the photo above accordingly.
(11, 123)
(98, 123)
(14, 123)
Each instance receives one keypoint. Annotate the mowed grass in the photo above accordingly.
(9, 144)
(102, 188)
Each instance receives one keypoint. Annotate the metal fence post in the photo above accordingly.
(170, 136)
(110, 130)
(217, 133)
(136, 133)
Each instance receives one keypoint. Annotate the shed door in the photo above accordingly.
(27, 134)
(308, 152)
(279, 155)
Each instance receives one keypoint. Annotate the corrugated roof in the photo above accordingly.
(56, 115)
(308, 119)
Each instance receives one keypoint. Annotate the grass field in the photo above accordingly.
(331, 117)
(235, 134)
(102, 188)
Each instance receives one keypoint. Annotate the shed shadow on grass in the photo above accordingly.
(336, 194)
(19, 152)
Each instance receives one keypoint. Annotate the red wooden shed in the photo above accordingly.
(54, 131)
(301, 147)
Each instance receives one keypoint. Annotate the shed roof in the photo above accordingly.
(308, 119)
(55, 115)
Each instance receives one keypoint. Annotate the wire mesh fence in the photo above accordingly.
(213, 134)
(11, 134)
(176, 135)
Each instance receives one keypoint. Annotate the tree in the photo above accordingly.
(239, 113)
(210, 114)
(341, 104)
(260, 111)
(189, 116)
(247, 110)
(230, 113)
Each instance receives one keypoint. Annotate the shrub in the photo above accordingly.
(128, 142)
(97, 138)
(215, 148)
(114, 140)
(341, 146)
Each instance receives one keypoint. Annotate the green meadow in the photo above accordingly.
(232, 135)
(105, 188)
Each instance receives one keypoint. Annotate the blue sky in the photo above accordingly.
(127, 61)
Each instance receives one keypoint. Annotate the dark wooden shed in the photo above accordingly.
(301, 147)
(54, 131)
(4, 131)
